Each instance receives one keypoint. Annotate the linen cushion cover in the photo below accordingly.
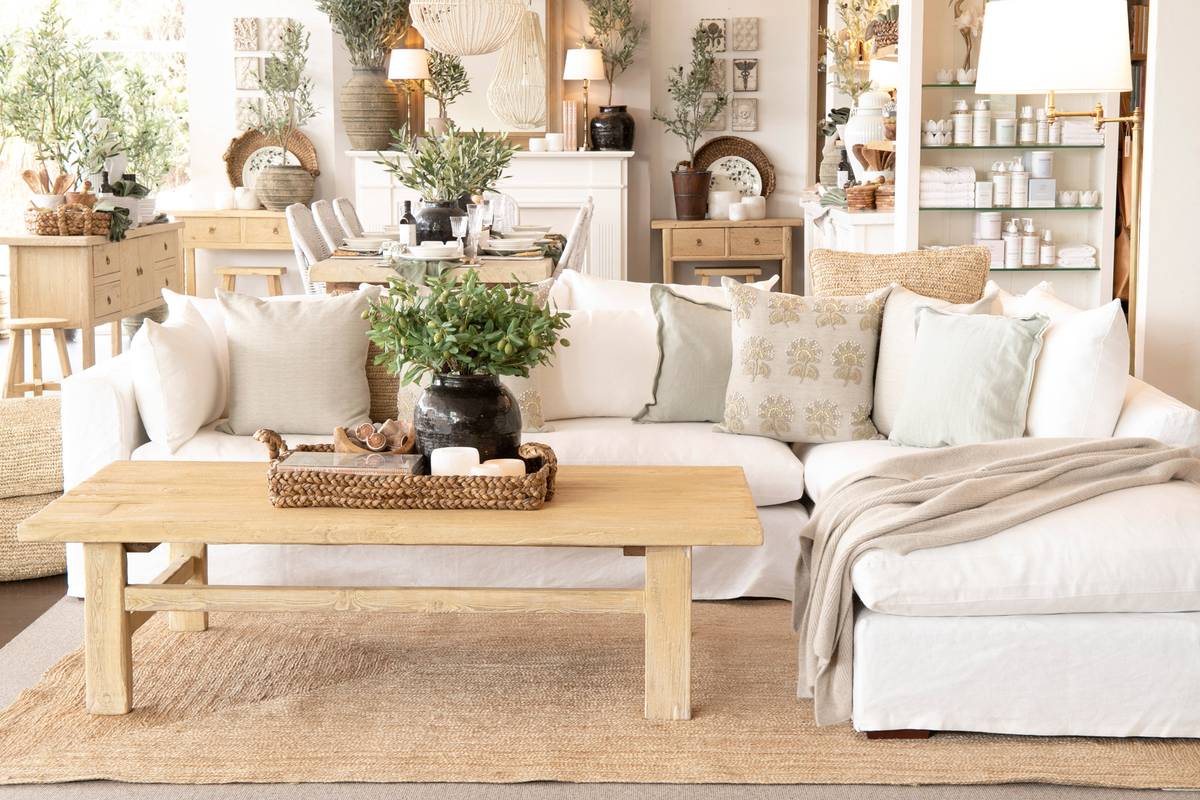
(176, 377)
(803, 367)
(587, 292)
(694, 359)
(297, 366)
(970, 379)
(897, 340)
(953, 274)
(1151, 412)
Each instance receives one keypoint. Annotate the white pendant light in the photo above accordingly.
(517, 93)
(466, 27)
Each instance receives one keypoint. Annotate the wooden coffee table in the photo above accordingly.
(656, 512)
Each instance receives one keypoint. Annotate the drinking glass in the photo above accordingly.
(474, 227)
(458, 227)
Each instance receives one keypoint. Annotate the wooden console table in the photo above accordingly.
(229, 230)
(658, 513)
(90, 281)
(713, 240)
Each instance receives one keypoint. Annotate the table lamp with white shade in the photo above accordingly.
(1066, 47)
(410, 64)
(587, 65)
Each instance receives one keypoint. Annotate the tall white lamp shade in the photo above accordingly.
(466, 27)
(583, 64)
(411, 64)
(885, 73)
(1064, 46)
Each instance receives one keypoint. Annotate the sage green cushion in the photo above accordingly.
(969, 380)
(694, 357)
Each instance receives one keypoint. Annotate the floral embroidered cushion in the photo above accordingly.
(803, 367)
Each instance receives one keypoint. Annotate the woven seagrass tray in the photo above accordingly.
(316, 489)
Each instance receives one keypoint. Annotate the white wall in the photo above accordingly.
(1169, 285)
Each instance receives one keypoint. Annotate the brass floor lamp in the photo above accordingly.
(1067, 47)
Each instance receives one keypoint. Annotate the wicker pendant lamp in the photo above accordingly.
(466, 27)
(517, 93)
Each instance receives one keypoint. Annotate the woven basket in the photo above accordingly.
(956, 274)
(885, 197)
(327, 489)
(20, 561)
(861, 198)
(30, 478)
(67, 220)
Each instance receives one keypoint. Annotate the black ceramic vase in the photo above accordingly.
(433, 221)
(468, 411)
(612, 129)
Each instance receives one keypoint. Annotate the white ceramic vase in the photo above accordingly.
(865, 125)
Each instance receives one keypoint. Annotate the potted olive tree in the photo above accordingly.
(447, 82)
(445, 169)
(616, 34)
(371, 105)
(287, 105)
(466, 334)
(694, 112)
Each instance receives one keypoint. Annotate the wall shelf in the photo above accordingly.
(947, 86)
(1010, 208)
(1045, 269)
(1012, 147)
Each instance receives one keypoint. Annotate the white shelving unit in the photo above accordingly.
(933, 44)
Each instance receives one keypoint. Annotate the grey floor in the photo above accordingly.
(60, 630)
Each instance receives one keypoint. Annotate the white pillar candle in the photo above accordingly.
(756, 207)
(508, 466)
(487, 471)
(739, 212)
(453, 460)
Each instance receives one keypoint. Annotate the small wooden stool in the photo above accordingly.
(706, 274)
(15, 385)
(274, 276)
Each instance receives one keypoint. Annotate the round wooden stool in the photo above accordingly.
(274, 276)
(706, 274)
(15, 385)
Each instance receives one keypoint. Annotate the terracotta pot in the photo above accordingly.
(279, 186)
(691, 193)
(372, 107)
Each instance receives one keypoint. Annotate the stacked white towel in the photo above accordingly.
(1077, 255)
(1081, 132)
(947, 174)
(947, 187)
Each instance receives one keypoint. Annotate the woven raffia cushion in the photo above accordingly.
(30, 477)
(383, 386)
(956, 274)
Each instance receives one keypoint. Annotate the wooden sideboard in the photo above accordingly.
(91, 281)
(229, 230)
(722, 240)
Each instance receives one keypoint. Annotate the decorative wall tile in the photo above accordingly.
(719, 81)
(745, 74)
(245, 33)
(745, 33)
(270, 32)
(246, 111)
(721, 122)
(246, 72)
(716, 29)
(745, 114)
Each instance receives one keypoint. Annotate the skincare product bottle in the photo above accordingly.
(1019, 178)
(1041, 163)
(1006, 132)
(988, 225)
(1030, 245)
(1056, 132)
(981, 133)
(1043, 127)
(983, 195)
(962, 123)
(1012, 245)
(1001, 185)
(1049, 251)
(1027, 133)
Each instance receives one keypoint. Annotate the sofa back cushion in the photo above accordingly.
(577, 290)
(1151, 412)
(954, 274)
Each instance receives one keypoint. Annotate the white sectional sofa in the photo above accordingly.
(1085, 621)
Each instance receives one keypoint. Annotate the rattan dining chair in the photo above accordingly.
(574, 252)
(344, 209)
(308, 243)
(327, 223)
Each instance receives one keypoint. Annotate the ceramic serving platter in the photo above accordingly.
(736, 174)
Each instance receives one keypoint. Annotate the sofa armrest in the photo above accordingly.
(100, 422)
(1153, 413)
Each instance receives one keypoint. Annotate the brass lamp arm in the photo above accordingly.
(1096, 114)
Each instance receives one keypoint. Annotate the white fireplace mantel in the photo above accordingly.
(549, 187)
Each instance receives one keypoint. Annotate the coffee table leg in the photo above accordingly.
(108, 658)
(668, 632)
(190, 620)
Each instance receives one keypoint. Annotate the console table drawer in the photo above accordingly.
(756, 241)
(167, 277)
(698, 241)
(213, 230)
(106, 299)
(105, 260)
(267, 231)
(154, 249)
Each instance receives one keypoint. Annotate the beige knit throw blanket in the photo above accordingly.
(940, 497)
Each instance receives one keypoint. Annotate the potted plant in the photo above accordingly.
(616, 34)
(466, 334)
(446, 168)
(694, 112)
(848, 54)
(447, 82)
(371, 105)
(287, 105)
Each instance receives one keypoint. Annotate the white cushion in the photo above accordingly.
(577, 290)
(608, 369)
(1155, 414)
(1079, 382)
(827, 464)
(1133, 550)
(774, 474)
(176, 378)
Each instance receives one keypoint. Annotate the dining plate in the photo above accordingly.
(510, 245)
(364, 242)
(737, 174)
(434, 251)
(531, 228)
(411, 256)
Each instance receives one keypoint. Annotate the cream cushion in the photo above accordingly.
(897, 340)
(1079, 383)
(953, 274)
(176, 379)
(297, 366)
(773, 472)
(577, 290)
(825, 465)
(1153, 413)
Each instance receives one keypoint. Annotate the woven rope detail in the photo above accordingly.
(21, 561)
(31, 443)
(956, 274)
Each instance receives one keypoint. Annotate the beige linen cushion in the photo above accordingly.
(803, 367)
(296, 366)
(955, 274)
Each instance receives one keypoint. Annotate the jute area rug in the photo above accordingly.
(501, 698)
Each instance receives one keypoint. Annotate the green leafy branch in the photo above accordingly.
(370, 28)
(616, 34)
(445, 167)
(287, 93)
(693, 111)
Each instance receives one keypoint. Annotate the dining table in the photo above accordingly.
(346, 273)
